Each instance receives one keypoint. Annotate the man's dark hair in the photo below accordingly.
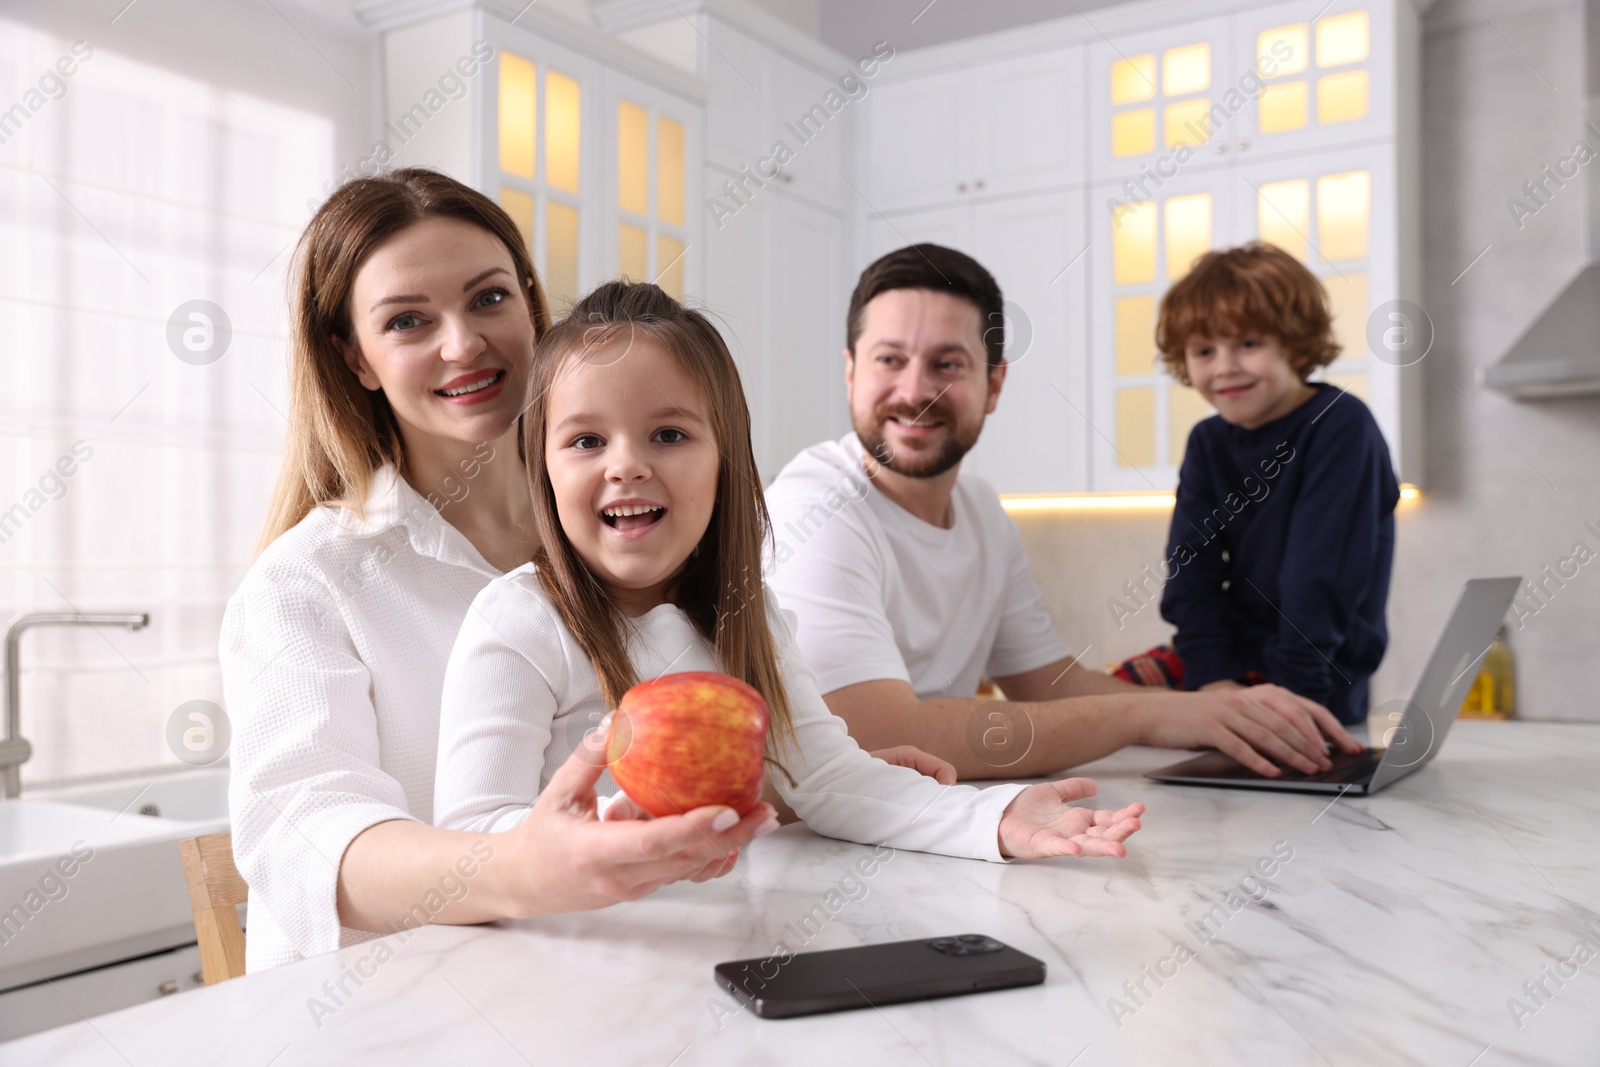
(941, 270)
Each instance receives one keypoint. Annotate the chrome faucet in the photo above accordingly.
(14, 749)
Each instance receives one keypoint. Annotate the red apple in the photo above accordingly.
(683, 741)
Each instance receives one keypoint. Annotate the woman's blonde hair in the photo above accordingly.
(720, 589)
(339, 432)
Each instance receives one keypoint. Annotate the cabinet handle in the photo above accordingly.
(1243, 144)
(167, 988)
(961, 187)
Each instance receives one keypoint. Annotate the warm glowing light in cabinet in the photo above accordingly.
(669, 171)
(633, 158)
(1135, 342)
(516, 115)
(1342, 97)
(520, 207)
(633, 253)
(1185, 407)
(560, 254)
(1133, 133)
(562, 119)
(1354, 383)
(1136, 427)
(1283, 215)
(1133, 79)
(1344, 207)
(1186, 70)
(1283, 106)
(1343, 39)
(1188, 122)
(1188, 225)
(1282, 50)
(1347, 299)
(669, 269)
(1133, 243)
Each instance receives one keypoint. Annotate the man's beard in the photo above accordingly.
(903, 461)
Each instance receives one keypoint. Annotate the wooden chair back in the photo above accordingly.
(214, 888)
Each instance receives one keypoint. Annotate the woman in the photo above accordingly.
(402, 494)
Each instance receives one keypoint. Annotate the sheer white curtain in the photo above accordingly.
(126, 192)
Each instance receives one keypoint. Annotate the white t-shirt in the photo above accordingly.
(333, 653)
(880, 594)
(519, 694)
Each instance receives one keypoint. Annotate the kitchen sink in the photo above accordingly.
(125, 895)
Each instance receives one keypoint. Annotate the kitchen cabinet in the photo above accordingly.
(1304, 154)
(71, 998)
(1037, 439)
(592, 147)
(987, 129)
(783, 318)
(1152, 98)
(1188, 127)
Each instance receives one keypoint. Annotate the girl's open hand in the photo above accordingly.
(1041, 821)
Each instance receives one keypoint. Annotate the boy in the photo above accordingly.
(1283, 534)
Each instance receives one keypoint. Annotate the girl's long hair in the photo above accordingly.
(720, 589)
(340, 433)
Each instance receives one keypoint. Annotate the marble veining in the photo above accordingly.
(1242, 929)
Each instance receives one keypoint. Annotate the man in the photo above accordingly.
(909, 580)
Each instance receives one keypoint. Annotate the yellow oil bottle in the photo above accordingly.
(1494, 691)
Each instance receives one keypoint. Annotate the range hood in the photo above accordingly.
(1559, 354)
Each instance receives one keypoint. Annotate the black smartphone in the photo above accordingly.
(808, 983)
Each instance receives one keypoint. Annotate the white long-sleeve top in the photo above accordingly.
(333, 652)
(519, 694)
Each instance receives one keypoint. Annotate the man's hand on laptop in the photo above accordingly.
(1261, 726)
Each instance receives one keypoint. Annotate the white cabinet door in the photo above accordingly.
(1037, 439)
(1010, 126)
(542, 157)
(806, 300)
(741, 109)
(1141, 416)
(650, 174)
(948, 226)
(1323, 82)
(1159, 101)
(816, 120)
(1025, 119)
(915, 145)
(736, 270)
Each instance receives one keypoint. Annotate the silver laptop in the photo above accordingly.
(1422, 725)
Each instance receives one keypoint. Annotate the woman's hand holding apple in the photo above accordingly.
(1042, 821)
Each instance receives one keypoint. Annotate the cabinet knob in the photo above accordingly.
(785, 177)
(1243, 144)
(978, 184)
(961, 187)
(167, 988)
(1221, 148)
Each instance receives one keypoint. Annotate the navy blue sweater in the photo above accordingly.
(1280, 551)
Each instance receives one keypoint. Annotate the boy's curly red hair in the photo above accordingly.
(1256, 288)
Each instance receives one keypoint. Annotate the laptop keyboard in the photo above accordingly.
(1347, 767)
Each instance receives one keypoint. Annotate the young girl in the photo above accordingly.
(652, 523)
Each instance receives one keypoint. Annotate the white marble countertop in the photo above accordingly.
(1398, 933)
